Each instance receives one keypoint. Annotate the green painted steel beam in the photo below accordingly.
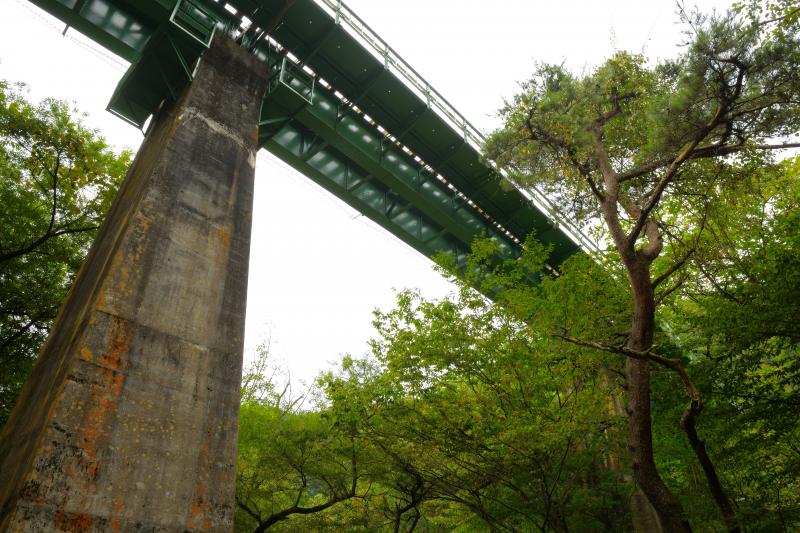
(360, 144)
(120, 27)
(344, 61)
(334, 172)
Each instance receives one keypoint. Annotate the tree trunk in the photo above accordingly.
(640, 440)
(714, 484)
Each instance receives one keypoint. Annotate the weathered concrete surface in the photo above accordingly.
(129, 419)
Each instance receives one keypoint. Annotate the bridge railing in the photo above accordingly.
(392, 60)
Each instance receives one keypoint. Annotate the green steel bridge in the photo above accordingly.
(128, 420)
(342, 108)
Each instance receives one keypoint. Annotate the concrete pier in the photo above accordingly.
(129, 420)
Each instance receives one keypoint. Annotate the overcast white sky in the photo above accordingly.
(318, 268)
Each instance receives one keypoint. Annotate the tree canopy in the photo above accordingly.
(645, 153)
(57, 180)
(473, 416)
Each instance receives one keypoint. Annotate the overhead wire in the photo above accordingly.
(100, 54)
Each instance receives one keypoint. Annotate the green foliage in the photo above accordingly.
(292, 464)
(639, 117)
(740, 318)
(780, 17)
(469, 416)
(288, 460)
(57, 180)
(514, 426)
(474, 414)
(662, 159)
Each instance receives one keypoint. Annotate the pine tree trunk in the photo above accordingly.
(640, 440)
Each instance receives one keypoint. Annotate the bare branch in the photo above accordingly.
(675, 286)
(608, 202)
(673, 268)
(779, 18)
(671, 172)
(703, 152)
(247, 509)
(673, 364)
(41, 240)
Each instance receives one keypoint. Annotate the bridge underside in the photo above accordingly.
(343, 109)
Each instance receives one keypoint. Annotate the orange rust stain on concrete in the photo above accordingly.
(73, 522)
(86, 354)
(104, 397)
(198, 512)
(116, 524)
(116, 387)
(117, 347)
(119, 283)
(224, 234)
(37, 500)
(222, 248)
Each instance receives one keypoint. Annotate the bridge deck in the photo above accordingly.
(348, 113)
